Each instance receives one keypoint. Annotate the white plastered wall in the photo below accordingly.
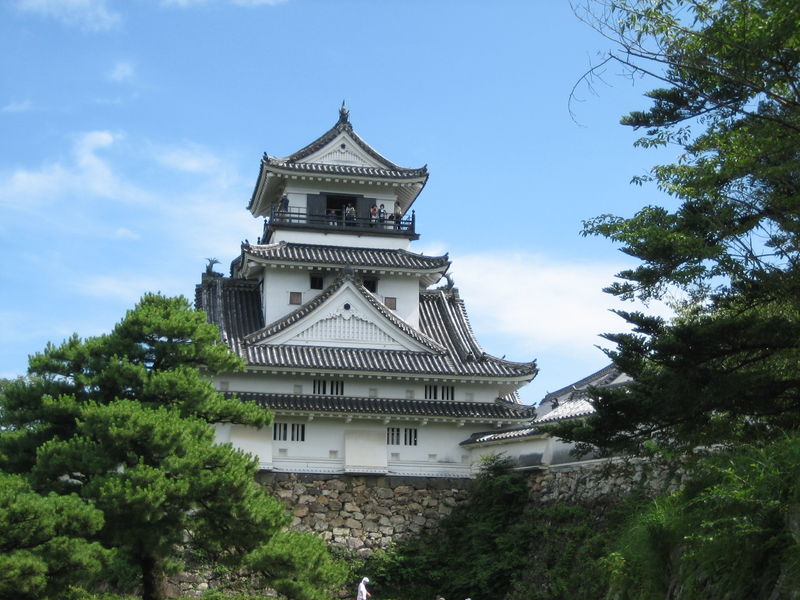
(359, 387)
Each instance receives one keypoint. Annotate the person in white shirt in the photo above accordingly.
(363, 594)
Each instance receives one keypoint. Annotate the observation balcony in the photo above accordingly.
(335, 221)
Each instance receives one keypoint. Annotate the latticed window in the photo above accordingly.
(332, 387)
(298, 432)
(410, 436)
(393, 436)
(295, 432)
(435, 392)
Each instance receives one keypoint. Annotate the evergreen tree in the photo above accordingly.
(124, 420)
(728, 368)
(43, 542)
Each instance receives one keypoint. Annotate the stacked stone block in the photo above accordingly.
(364, 513)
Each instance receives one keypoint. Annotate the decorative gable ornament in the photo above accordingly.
(346, 319)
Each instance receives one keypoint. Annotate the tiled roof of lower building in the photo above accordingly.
(483, 437)
(498, 410)
(569, 402)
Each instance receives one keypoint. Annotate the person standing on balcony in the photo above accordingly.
(373, 215)
(397, 214)
(350, 215)
(283, 208)
(382, 215)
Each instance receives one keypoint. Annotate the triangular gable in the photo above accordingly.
(343, 150)
(347, 318)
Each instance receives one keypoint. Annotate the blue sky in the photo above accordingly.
(132, 133)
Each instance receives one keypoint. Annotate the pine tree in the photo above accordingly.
(124, 420)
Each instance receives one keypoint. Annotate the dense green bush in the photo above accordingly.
(495, 545)
(733, 532)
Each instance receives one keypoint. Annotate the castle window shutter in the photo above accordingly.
(362, 207)
(315, 205)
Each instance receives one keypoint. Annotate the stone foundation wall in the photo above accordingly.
(602, 481)
(364, 513)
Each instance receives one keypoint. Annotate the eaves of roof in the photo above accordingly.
(443, 317)
(488, 437)
(380, 407)
(598, 378)
(570, 409)
(342, 256)
(281, 166)
(235, 306)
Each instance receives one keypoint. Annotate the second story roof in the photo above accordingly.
(451, 350)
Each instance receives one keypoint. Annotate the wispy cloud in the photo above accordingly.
(122, 71)
(190, 158)
(90, 15)
(87, 174)
(539, 301)
(17, 107)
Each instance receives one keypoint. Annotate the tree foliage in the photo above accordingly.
(474, 550)
(733, 532)
(43, 542)
(498, 544)
(124, 421)
(728, 368)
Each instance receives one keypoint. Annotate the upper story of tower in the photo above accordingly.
(337, 191)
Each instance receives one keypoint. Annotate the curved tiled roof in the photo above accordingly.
(569, 409)
(351, 170)
(284, 167)
(386, 406)
(483, 437)
(342, 126)
(235, 306)
(341, 256)
(443, 318)
(569, 402)
(602, 377)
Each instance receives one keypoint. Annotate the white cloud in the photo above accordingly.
(90, 15)
(541, 302)
(190, 158)
(17, 107)
(88, 174)
(122, 71)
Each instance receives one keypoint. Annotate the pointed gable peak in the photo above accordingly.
(341, 145)
(345, 314)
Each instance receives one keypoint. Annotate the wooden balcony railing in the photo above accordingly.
(335, 219)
